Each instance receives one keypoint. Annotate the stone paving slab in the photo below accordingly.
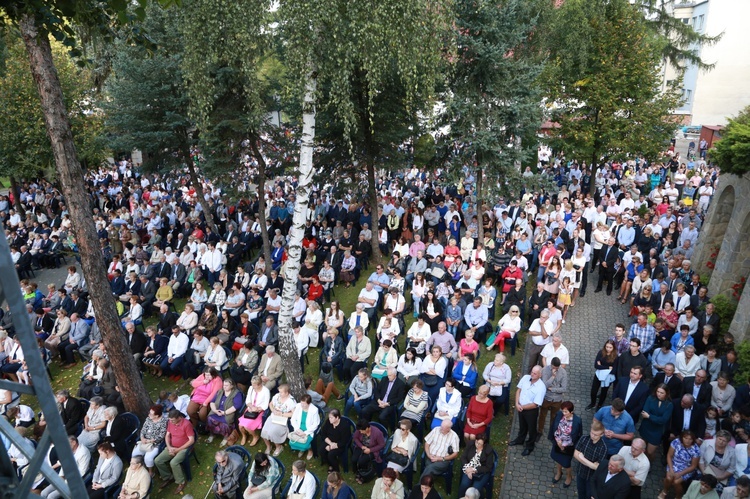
(587, 327)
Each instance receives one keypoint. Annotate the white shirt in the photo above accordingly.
(631, 388)
(549, 352)
(178, 345)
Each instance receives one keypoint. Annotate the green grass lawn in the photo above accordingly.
(202, 476)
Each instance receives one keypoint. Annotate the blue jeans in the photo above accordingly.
(174, 368)
(478, 482)
(358, 405)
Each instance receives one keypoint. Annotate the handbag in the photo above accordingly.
(251, 414)
(491, 340)
(551, 279)
(397, 458)
(145, 447)
(257, 479)
(430, 379)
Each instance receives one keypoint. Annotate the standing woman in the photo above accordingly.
(603, 375)
(564, 433)
(552, 276)
(256, 403)
(655, 416)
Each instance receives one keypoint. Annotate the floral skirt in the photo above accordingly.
(217, 425)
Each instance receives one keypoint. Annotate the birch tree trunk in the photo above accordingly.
(289, 356)
(134, 394)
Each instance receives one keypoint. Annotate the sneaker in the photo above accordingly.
(563, 321)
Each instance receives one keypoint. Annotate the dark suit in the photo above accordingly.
(634, 405)
(704, 393)
(697, 422)
(166, 321)
(163, 270)
(674, 385)
(730, 369)
(45, 325)
(609, 256)
(618, 487)
(118, 286)
(742, 398)
(537, 299)
(117, 434)
(271, 337)
(79, 307)
(137, 342)
(72, 415)
(395, 397)
(24, 262)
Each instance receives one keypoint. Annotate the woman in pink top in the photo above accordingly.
(468, 344)
(205, 388)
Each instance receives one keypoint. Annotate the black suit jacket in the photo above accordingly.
(674, 385)
(24, 261)
(398, 391)
(165, 271)
(72, 414)
(536, 299)
(79, 307)
(47, 323)
(704, 394)
(637, 399)
(611, 258)
(179, 273)
(166, 321)
(697, 419)
(618, 487)
(137, 343)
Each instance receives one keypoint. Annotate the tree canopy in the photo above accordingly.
(603, 82)
(732, 152)
(25, 150)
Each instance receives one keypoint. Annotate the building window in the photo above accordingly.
(701, 18)
(688, 94)
(685, 20)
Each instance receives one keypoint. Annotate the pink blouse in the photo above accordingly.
(205, 392)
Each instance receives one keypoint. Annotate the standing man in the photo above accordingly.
(607, 266)
(541, 334)
(637, 466)
(529, 398)
(618, 426)
(610, 480)
(590, 451)
(555, 378)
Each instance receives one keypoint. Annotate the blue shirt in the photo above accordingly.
(620, 425)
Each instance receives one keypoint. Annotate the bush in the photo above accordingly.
(725, 308)
(743, 359)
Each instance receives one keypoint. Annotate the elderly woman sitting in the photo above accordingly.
(221, 420)
(152, 435)
(137, 480)
(93, 423)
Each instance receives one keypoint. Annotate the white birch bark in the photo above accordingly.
(288, 350)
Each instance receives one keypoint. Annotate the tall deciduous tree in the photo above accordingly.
(36, 20)
(25, 151)
(225, 46)
(603, 81)
(493, 98)
(358, 49)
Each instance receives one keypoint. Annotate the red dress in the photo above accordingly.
(478, 412)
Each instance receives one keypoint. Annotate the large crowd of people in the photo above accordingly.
(456, 285)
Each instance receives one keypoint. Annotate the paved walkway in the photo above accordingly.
(587, 327)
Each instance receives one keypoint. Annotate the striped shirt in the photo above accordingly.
(439, 442)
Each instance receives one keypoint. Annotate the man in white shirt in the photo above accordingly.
(369, 298)
(83, 459)
(555, 349)
(176, 350)
(541, 331)
(637, 464)
(529, 398)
